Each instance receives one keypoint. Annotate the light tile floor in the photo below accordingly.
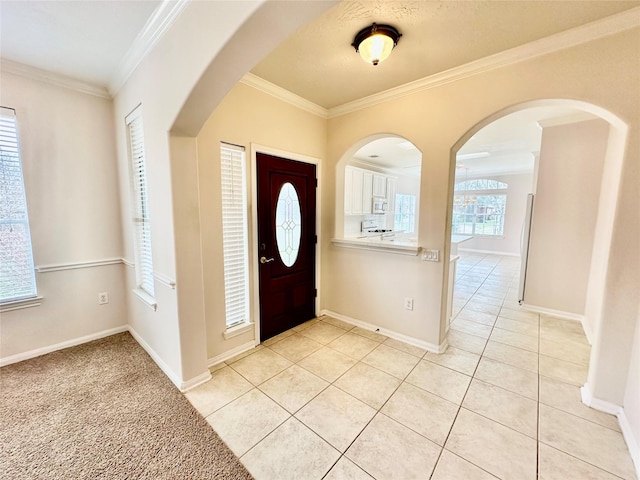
(327, 400)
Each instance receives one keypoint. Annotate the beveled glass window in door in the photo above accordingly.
(288, 224)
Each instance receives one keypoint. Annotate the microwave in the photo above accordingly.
(379, 205)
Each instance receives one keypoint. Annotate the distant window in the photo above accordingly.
(17, 274)
(480, 184)
(479, 207)
(235, 244)
(141, 224)
(405, 214)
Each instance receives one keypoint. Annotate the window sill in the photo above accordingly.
(145, 298)
(20, 304)
(237, 330)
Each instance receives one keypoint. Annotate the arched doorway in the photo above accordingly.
(603, 205)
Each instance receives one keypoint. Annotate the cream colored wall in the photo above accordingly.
(68, 157)
(509, 243)
(245, 116)
(162, 88)
(205, 52)
(564, 215)
(434, 120)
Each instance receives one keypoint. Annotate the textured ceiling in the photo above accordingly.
(318, 62)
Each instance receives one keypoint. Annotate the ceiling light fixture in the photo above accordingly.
(374, 43)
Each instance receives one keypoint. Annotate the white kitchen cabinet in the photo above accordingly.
(379, 185)
(358, 184)
(348, 188)
(367, 191)
(361, 186)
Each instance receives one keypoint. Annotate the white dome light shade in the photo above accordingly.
(374, 43)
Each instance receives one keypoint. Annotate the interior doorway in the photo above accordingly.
(528, 185)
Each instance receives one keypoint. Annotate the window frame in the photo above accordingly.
(502, 191)
(413, 199)
(10, 143)
(143, 261)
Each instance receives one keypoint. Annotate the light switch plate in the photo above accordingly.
(431, 255)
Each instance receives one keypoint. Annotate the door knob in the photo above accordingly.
(266, 260)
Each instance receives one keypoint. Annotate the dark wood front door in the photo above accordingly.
(286, 243)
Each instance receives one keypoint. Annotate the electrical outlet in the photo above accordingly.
(408, 303)
(103, 298)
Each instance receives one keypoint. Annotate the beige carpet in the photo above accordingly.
(104, 410)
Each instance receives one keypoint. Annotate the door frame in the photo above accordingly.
(253, 246)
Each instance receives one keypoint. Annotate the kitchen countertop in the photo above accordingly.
(457, 240)
(460, 238)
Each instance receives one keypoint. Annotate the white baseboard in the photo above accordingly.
(431, 347)
(492, 252)
(175, 379)
(575, 317)
(604, 406)
(195, 381)
(182, 385)
(19, 357)
(231, 353)
(633, 443)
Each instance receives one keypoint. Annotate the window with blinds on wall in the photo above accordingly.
(142, 228)
(234, 234)
(17, 274)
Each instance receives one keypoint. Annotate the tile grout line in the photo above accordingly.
(455, 418)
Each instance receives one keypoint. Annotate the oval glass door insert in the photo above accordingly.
(288, 224)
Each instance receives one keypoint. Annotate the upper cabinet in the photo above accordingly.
(361, 186)
(379, 185)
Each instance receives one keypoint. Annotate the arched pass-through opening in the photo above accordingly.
(377, 183)
(606, 204)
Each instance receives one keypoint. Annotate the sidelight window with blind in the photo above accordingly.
(17, 274)
(141, 225)
(234, 234)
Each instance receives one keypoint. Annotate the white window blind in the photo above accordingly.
(142, 228)
(17, 275)
(234, 234)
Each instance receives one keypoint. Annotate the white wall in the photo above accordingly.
(69, 161)
(509, 243)
(572, 158)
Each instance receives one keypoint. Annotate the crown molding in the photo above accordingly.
(282, 94)
(570, 38)
(56, 79)
(157, 25)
